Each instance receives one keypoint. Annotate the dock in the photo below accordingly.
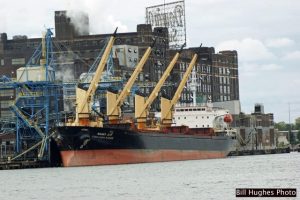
(23, 164)
(259, 152)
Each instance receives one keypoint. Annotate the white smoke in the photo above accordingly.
(79, 20)
(65, 69)
(69, 105)
(104, 17)
(65, 74)
(117, 23)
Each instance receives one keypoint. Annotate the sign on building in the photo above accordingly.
(172, 16)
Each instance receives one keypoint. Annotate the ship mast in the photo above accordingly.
(193, 86)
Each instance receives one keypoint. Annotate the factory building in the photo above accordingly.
(216, 74)
(256, 130)
(75, 51)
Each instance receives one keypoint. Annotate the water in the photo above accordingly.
(201, 179)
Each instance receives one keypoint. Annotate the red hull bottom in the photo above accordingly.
(125, 156)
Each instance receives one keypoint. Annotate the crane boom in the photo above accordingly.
(84, 97)
(142, 106)
(115, 101)
(167, 105)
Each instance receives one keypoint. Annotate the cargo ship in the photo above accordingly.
(89, 146)
(89, 139)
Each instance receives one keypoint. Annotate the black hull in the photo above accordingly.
(127, 146)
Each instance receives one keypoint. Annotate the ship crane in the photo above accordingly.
(167, 106)
(114, 101)
(84, 97)
(142, 105)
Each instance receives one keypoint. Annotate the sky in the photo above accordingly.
(265, 33)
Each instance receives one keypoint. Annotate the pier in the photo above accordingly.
(259, 152)
(23, 164)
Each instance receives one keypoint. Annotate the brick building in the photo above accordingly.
(256, 129)
(75, 50)
(216, 73)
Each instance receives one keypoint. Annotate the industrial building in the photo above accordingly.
(216, 74)
(256, 130)
(75, 51)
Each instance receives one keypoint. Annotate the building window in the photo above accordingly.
(208, 69)
(6, 93)
(18, 61)
(6, 113)
(5, 104)
(2, 62)
(228, 72)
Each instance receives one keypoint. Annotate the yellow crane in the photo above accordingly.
(114, 101)
(167, 106)
(142, 105)
(84, 97)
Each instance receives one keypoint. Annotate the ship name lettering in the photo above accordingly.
(110, 134)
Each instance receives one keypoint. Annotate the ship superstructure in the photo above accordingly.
(202, 116)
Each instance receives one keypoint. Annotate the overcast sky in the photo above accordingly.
(266, 34)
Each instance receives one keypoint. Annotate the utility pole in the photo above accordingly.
(290, 125)
(289, 122)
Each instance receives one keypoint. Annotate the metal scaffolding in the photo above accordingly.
(37, 102)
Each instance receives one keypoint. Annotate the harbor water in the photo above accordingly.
(199, 179)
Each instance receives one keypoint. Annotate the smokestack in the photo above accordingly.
(71, 24)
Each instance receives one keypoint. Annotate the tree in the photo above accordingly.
(282, 126)
(297, 123)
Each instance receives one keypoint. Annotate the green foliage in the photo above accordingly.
(297, 120)
(297, 123)
(282, 126)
